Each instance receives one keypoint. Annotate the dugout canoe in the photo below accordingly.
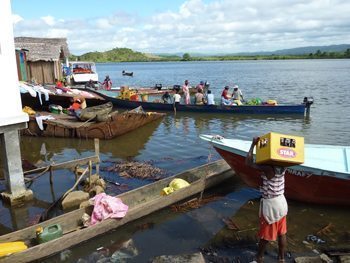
(283, 109)
(141, 201)
(70, 127)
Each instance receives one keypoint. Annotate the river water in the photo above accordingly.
(173, 144)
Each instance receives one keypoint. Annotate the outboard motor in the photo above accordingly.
(176, 87)
(158, 86)
(308, 101)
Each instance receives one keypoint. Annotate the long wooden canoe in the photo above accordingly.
(141, 201)
(292, 109)
(68, 126)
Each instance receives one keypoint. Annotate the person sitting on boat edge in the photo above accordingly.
(177, 97)
(273, 205)
(166, 97)
(210, 98)
(225, 98)
(199, 98)
(237, 95)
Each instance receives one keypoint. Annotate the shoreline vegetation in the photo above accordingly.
(128, 55)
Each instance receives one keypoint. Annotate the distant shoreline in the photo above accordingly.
(128, 55)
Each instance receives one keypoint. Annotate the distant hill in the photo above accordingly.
(116, 55)
(298, 51)
(292, 51)
(128, 55)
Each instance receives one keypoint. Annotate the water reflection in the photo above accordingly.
(48, 149)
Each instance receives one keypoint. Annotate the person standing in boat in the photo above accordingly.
(273, 206)
(200, 86)
(177, 98)
(186, 90)
(107, 83)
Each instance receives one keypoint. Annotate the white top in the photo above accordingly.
(237, 94)
(177, 97)
(211, 99)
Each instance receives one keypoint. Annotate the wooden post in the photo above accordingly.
(90, 172)
(97, 153)
(51, 173)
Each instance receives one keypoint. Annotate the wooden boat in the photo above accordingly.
(324, 178)
(141, 201)
(63, 100)
(298, 109)
(69, 126)
(130, 74)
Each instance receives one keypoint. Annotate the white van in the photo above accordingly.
(81, 72)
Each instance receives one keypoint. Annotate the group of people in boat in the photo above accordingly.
(236, 98)
(204, 95)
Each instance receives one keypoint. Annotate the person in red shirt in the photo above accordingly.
(225, 97)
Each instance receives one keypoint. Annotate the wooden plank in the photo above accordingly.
(66, 165)
(142, 201)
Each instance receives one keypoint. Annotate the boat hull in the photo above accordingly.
(141, 201)
(311, 186)
(298, 109)
(68, 127)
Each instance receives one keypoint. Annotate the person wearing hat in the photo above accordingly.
(225, 98)
(200, 86)
(237, 95)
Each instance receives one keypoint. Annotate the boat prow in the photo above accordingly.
(324, 177)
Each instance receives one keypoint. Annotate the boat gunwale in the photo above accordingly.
(137, 211)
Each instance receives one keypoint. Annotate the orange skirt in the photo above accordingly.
(270, 232)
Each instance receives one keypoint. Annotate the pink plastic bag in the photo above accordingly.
(106, 206)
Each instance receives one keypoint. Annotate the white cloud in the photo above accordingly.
(16, 18)
(50, 20)
(219, 26)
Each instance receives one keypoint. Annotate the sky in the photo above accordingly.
(185, 26)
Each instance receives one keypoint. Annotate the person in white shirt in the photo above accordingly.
(177, 98)
(210, 98)
(237, 94)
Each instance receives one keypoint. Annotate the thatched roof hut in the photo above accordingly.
(44, 57)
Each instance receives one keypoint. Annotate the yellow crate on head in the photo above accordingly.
(280, 149)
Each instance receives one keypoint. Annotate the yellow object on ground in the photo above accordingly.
(28, 110)
(12, 247)
(280, 149)
(174, 185)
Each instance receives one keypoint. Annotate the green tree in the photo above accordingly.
(347, 53)
(186, 57)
